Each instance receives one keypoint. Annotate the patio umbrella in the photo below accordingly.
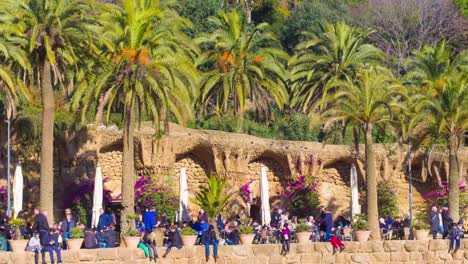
(18, 190)
(355, 207)
(183, 195)
(264, 196)
(97, 196)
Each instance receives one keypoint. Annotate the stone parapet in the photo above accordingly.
(433, 251)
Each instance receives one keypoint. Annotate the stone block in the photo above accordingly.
(179, 253)
(459, 255)
(222, 251)
(360, 258)
(380, 257)
(323, 247)
(138, 253)
(415, 256)
(88, 255)
(371, 246)
(328, 258)
(242, 251)
(439, 245)
(4, 258)
(444, 256)
(70, 256)
(399, 256)
(311, 258)
(429, 256)
(302, 248)
(292, 259)
(416, 245)
(126, 254)
(277, 260)
(236, 260)
(107, 254)
(21, 257)
(352, 247)
(394, 245)
(266, 250)
(343, 258)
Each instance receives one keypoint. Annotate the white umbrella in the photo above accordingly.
(18, 190)
(97, 196)
(183, 195)
(355, 207)
(264, 196)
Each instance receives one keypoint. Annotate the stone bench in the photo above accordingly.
(396, 251)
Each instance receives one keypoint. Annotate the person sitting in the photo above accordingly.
(149, 239)
(104, 220)
(90, 239)
(209, 238)
(233, 237)
(107, 238)
(3, 241)
(455, 236)
(51, 245)
(174, 240)
(34, 245)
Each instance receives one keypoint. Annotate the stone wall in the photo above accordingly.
(432, 251)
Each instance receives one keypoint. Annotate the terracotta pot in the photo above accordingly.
(421, 234)
(246, 239)
(74, 243)
(189, 241)
(18, 245)
(303, 237)
(361, 236)
(131, 242)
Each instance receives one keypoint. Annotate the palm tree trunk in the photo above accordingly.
(47, 146)
(454, 177)
(103, 100)
(128, 161)
(371, 177)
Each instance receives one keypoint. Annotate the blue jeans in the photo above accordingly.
(51, 250)
(452, 242)
(215, 248)
(327, 235)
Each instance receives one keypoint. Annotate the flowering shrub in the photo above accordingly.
(80, 194)
(387, 200)
(440, 195)
(302, 193)
(149, 194)
(3, 199)
(246, 192)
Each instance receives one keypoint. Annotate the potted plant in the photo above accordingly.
(76, 238)
(17, 244)
(189, 236)
(303, 233)
(421, 227)
(131, 236)
(361, 228)
(246, 234)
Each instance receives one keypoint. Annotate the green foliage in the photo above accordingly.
(245, 230)
(17, 222)
(188, 231)
(198, 12)
(421, 219)
(76, 232)
(387, 200)
(245, 220)
(360, 223)
(303, 228)
(212, 196)
(82, 212)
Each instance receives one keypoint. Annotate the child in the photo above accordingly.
(34, 245)
(174, 240)
(336, 243)
(454, 236)
(286, 240)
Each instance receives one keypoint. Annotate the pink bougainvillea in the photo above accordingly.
(148, 193)
(246, 192)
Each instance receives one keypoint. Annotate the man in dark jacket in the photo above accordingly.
(233, 237)
(104, 220)
(326, 224)
(51, 245)
(174, 240)
(446, 221)
(275, 218)
(434, 221)
(209, 238)
(40, 224)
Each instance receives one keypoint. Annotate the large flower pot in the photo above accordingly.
(303, 237)
(131, 242)
(247, 239)
(361, 236)
(18, 245)
(189, 241)
(74, 243)
(421, 234)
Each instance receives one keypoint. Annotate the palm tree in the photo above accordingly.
(212, 197)
(337, 53)
(441, 74)
(444, 113)
(367, 103)
(56, 30)
(242, 64)
(149, 70)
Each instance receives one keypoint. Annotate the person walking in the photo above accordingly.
(209, 238)
(285, 239)
(446, 221)
(40, 225)
(434, 221)
(327, 223)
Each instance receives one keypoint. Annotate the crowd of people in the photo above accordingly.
(45, 239)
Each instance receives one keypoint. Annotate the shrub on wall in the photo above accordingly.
(387, 200)
(3, 199)
(148, 193)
